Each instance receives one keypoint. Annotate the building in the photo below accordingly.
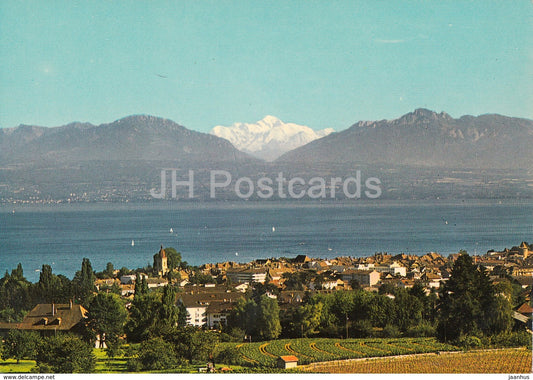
(363, 277)
(160, 262)
(288, 361)
(128, 279)
(524, 249)
(196, 314)
(49, 319)
(522, 271)
(247, 275)
(208, 307)
(395, 269)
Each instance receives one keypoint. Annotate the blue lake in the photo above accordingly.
(215, 232)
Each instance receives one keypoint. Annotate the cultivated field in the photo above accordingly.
(309, 350)
(489, 361)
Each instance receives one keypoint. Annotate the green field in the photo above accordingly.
(310, 350)
(264, 354)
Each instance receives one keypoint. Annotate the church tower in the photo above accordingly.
(160, 262)
(524, 249)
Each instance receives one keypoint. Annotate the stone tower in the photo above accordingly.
(524, 249)
(160, 262)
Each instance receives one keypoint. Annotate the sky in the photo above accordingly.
(317, 63)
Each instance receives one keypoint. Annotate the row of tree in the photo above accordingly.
(18, 295)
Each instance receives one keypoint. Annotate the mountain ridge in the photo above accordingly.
(426, 138)
(135, 137)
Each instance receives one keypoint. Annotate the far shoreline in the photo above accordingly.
(175, 205)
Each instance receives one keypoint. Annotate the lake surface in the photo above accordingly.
(215, 232)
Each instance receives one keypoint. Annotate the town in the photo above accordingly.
(194, 312)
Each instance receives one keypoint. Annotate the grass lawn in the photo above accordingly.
(11, 366)
(106, 365)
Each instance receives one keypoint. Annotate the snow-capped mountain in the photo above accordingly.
(268, 138)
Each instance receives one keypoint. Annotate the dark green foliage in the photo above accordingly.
(83, 282)
(382, 310)
(200, 278)
(512, 339)
(229, 355)
(108, 272)
(51, 288)
(234, 334)
(423, 329)
(156, 354)
(297, 280)
(154, 314)
(468, 342)
(260, 320)
(408, 309)
(15, 297)
(194, 344)
(106, 317)
(169, 313)
(259, 290)
(173, 258)
(65, 354)
(243, 316)
(114, 289)
(123, 271)
(143, 318)
(113, 349)
(20, 344)
(268, 325)
(141, 285)
(363, 329)
(386, 289)
(391, 331)
(302, 321)
(469, 305)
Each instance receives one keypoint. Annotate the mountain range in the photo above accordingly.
(421, 154)
(133, 138)
(428, 139)
(268, 138)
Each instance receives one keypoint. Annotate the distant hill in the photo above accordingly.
(133, 138)
(269, 138)
(426, 138)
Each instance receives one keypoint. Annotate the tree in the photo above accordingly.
(169, 313)
(141, 286)
(15, 296)
(468, 304)
(408, 309)
(109, 271)
(268, 326)
(173, 258)
(297, 280)
(83, 282)
(65, 354)
(244, 316)
(195, 344)
(156, 354)
(309, 317)
(20, 344)
(106, 318)
(143, 318)
(381, 311)
(47, 285)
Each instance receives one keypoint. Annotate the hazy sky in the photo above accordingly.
(319, 63)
